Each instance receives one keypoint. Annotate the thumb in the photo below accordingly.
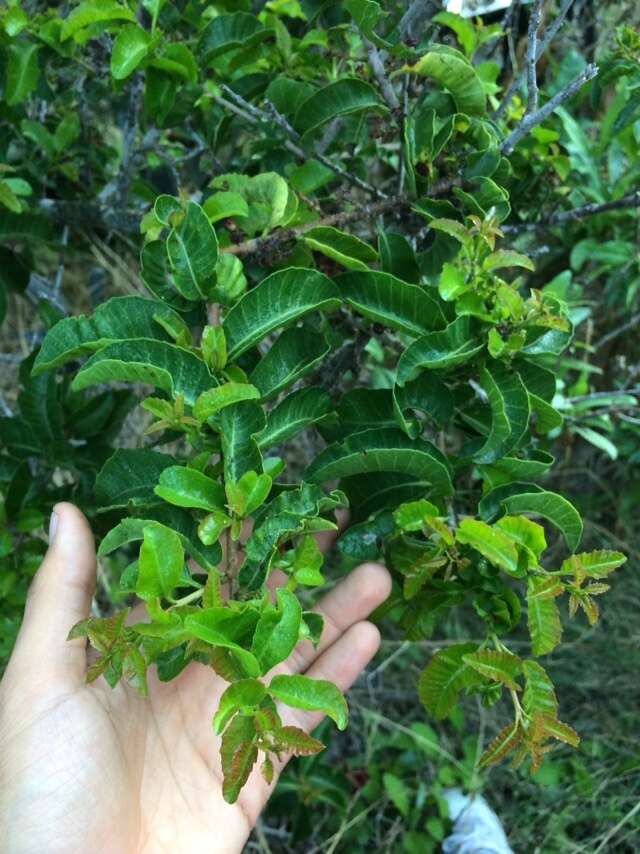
(60, 596)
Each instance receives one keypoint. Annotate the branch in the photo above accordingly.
(532, 56)
(400, 202)
(414, 18)
(255, 116)
(630, 201)
(616, 333)
(532, 120)
(377, 66)
(541, 47)
(89, 215)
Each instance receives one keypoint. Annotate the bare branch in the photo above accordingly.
(576, 214)
(633, 321)
(542, 45)
(532, 120)
(377, 66)
(532, 55)
(415, 17)
(254, 115)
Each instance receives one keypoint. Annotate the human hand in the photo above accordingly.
(84, 768)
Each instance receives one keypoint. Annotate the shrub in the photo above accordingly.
(335, 253)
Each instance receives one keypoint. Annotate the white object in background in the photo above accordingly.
(476, 829)
(470, 8)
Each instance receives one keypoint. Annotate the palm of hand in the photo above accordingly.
(87, 768)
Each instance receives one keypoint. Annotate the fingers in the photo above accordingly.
(341, 664)
(351, 601)
(60, 596)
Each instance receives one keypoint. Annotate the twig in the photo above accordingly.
(542, 45)
(254, 115)
(400, 202)
(532, 56)
(575, 214)
(57, 285)
(414, 18)
(532, 120)
(614, 830)
(403, 121)
(129, 133)
(377, 66)
(616, 333)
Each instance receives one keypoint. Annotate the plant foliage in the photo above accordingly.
(336, 258)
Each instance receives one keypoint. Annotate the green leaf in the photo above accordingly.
(161, 562)
(411, 515)
(22, 72)
(510, 411)
(298, 410)
(426, 393)
(390, 301)
(444, 677)
(438, 351)
(15, 21)
(241, 696)
(93, 12)
(157, 276)
(532, 499)
(543, 617)
(118, 319)
(346, 249)
(526, 534)
(212, 526)
(228, 629)
(453, 72)
(278, 301)
(312, 695)
(192, 249)
(382, 449)
(366, 14)
(494, 545)
(130, 530)
(277, 631)
(507, 258)
(185, 487)
(227, 32)
(248, 493)
(341, 98)
(454, 229)
(225, 205)
(498, 666)
(178, 60)
(295, 353)
(270, 201)
(214, 400)
(597, 564)
(306, 566)
(397, 791)
(539, 695)
(239, 425)
(128, 478)
(130, 47)
(397, 257)
(173, 369)
(597, 440)
(463, 28)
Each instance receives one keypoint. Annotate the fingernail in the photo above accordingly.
(53, 526)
